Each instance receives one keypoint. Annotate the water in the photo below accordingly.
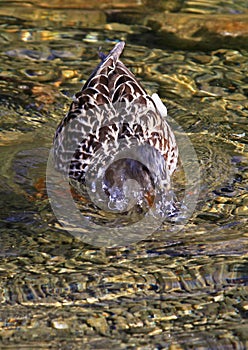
(175, 289)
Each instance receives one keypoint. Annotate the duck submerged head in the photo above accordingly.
(128, 182)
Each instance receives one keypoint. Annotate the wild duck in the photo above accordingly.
(111, 108)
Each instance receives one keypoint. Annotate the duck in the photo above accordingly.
(113, 114)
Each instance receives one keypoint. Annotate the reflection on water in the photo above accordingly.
(177, 289)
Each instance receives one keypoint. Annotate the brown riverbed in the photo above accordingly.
(175, 289)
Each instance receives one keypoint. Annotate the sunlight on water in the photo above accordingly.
(182, 282)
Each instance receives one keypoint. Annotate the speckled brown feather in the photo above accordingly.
(111, 84)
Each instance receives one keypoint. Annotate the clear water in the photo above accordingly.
(175, 289)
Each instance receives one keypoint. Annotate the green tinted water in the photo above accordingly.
(182, 290)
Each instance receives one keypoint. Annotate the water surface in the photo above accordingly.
(174, 290)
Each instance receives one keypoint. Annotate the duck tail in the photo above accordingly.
(114, 53)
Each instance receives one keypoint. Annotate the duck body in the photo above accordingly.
(111, 108)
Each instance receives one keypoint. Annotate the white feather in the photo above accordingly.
(159, 104)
